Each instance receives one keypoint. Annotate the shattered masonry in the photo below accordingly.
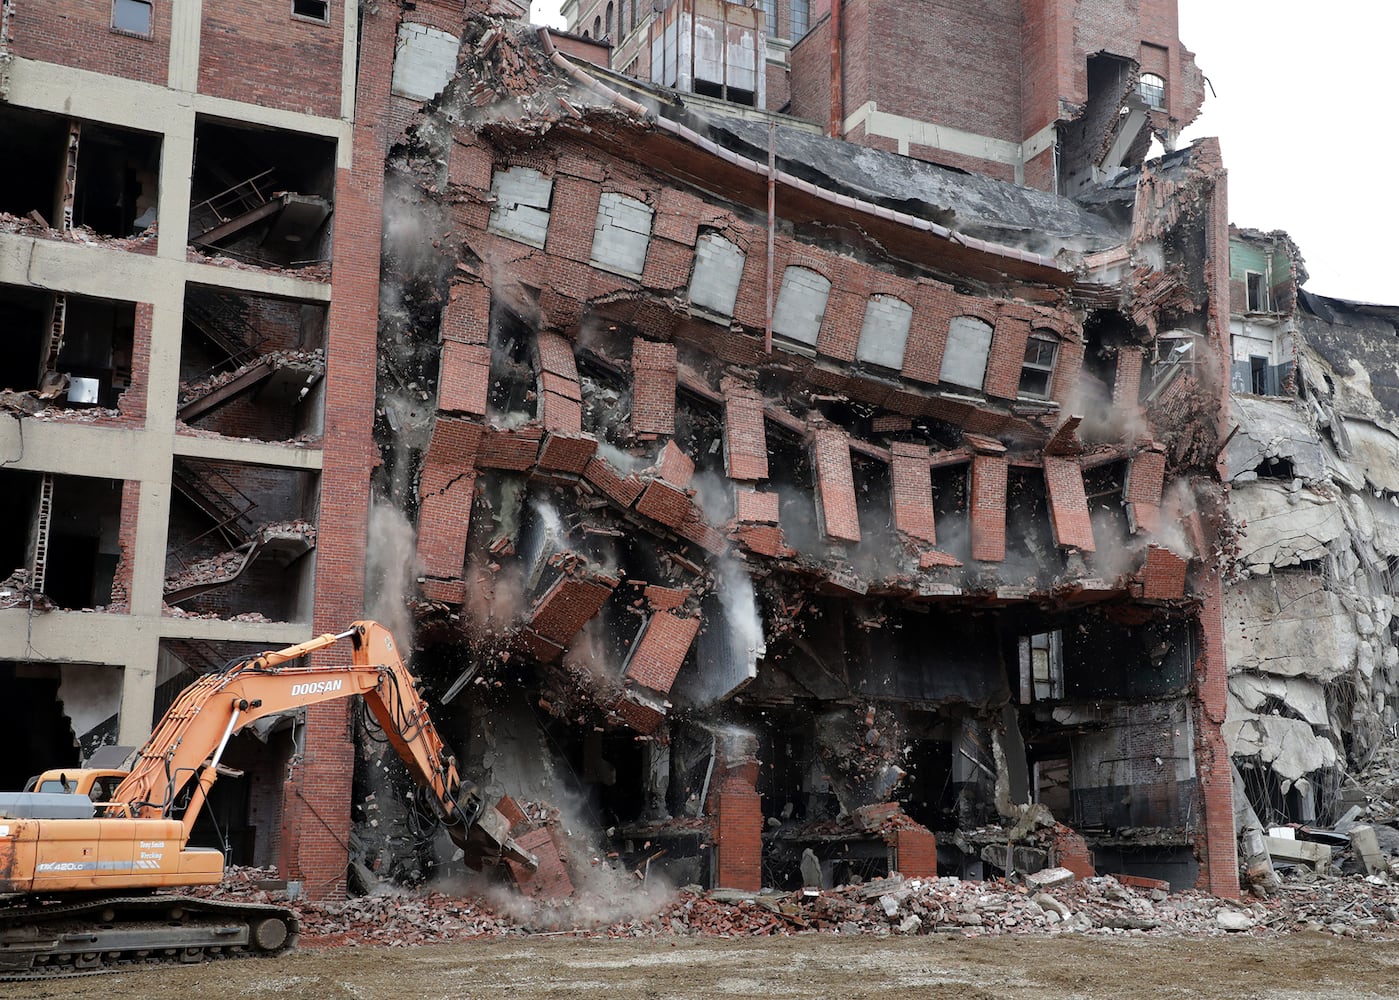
(992, 489)
(916, 576)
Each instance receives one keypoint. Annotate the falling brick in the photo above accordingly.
(835, 485)
(913, 492)
(658, 655)
(1068, 503)
(653, 387)
(745, 436)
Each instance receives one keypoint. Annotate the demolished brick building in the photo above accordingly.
(763, 484)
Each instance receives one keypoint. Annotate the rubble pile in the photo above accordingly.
(313, 361)
(229, 564)
(1380, 782)
(317, 271)
(1049, 903)
(36, 225)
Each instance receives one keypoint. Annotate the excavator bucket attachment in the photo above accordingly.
(487, 841)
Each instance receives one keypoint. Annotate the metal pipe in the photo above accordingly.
(837, 117)
(772, 227)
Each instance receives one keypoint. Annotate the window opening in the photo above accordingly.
(770, 9)
(1038, 368)
(315, 10)
(801, 18)
(1152, 89)
(1258, 374)
(1257, 292)
(1041, 667)
(132, 16)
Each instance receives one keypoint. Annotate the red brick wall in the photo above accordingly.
(653, 387)
(912, 482)
(835, 494)
(314, 845)
(988, 507)
(915, 853)
(256, 51)
(738, 831)
(1220, 868)
(954, 62)
(1059, 35)
(126, 543)
(661, 651)
(79, 33)
(809, 81)
(132, 403)
(1071, 852)
(1068, 504)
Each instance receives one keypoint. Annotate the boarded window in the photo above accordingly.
(718, 271)
(1037, 371)
(425, 60)
(521, 209)
(622, 234)
(132, 16)
(968, 346)
(801, 305)
(885, 331)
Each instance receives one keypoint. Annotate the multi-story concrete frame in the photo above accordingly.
(237, 124)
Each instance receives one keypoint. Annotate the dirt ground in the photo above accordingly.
(939, 967)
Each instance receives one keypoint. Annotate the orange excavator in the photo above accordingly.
(78, 876)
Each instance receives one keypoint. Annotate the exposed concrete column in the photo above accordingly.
(176, 169)
(138, 683)
(185, 20)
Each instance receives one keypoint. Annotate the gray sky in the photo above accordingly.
(1298, 89)
(1301, 87)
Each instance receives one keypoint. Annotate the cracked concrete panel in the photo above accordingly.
(718, 271)
(1272, 428)
(1288, 746)
(1249, 693)
(424, 62)
(884, 333)
(801, 305)
(521, 209)
(622, 234)
(1375, 452)
(1288, 625)
(1284, 526)
(1380, 515)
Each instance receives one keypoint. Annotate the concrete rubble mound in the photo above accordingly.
(1355, 906)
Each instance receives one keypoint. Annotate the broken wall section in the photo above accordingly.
(1315, 560)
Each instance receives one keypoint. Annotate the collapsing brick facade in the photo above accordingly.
(777, 497)
(873, 529)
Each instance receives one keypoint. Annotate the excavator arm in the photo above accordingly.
(183, 752)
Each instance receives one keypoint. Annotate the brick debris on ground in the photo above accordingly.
(1349, 906)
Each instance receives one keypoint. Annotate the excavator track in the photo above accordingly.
(54, 940)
